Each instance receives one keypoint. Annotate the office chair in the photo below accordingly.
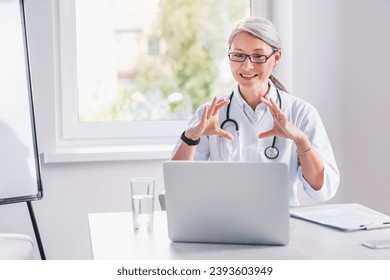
(16, 247)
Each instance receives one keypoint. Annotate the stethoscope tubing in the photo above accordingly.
(228, 119)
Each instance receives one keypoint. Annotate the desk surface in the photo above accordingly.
(112, 237)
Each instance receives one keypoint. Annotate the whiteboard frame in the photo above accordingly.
(39, 193)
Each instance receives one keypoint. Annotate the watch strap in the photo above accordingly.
(189, 141)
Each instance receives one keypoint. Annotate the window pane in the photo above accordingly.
(145, 60)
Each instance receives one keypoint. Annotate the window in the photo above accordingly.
(136, 70)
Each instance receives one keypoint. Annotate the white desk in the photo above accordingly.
(112, 237)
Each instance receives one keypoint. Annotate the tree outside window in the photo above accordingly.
(158, 64)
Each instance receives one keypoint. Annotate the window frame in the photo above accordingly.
(71, 132)
(70, 128)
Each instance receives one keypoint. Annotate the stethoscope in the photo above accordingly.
(271, 152)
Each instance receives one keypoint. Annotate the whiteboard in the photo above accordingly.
(19, 161)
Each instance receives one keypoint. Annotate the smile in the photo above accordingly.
(248, 76)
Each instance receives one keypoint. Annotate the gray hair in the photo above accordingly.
(262, 29)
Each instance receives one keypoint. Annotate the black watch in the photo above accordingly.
(188, 141)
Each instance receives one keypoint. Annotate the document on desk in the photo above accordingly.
(347, 217)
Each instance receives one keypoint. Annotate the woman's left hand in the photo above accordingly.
(282, 127)
(312, 166)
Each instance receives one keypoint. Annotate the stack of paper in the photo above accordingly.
(348, 217)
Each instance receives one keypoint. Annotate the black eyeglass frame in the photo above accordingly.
(250, 56)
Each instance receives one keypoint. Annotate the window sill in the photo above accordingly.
(111, 153)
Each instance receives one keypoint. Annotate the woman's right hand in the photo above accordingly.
(209, 123)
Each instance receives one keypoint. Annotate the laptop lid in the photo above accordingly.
(227, 202)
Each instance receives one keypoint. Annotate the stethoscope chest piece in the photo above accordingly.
(271, 152)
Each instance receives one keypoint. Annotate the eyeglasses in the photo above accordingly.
(254, 58)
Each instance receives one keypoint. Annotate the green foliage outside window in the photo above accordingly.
(193, 43)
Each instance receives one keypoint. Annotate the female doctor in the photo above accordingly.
(260, 121)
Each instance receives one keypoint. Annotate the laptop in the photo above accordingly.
(227, 202)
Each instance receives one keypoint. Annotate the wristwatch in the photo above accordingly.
(188, 141)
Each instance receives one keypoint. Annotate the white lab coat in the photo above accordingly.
(248, 147)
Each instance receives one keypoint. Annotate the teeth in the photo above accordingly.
(248, 76)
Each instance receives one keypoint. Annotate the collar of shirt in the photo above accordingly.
(261, 109)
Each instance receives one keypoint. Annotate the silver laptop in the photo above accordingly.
(227, 202)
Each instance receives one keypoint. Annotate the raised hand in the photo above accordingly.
(209, 123)
(282, 127)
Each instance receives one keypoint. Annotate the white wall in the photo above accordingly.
(341, 61)
(366, 101)
(318, 68)
(340, 64)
